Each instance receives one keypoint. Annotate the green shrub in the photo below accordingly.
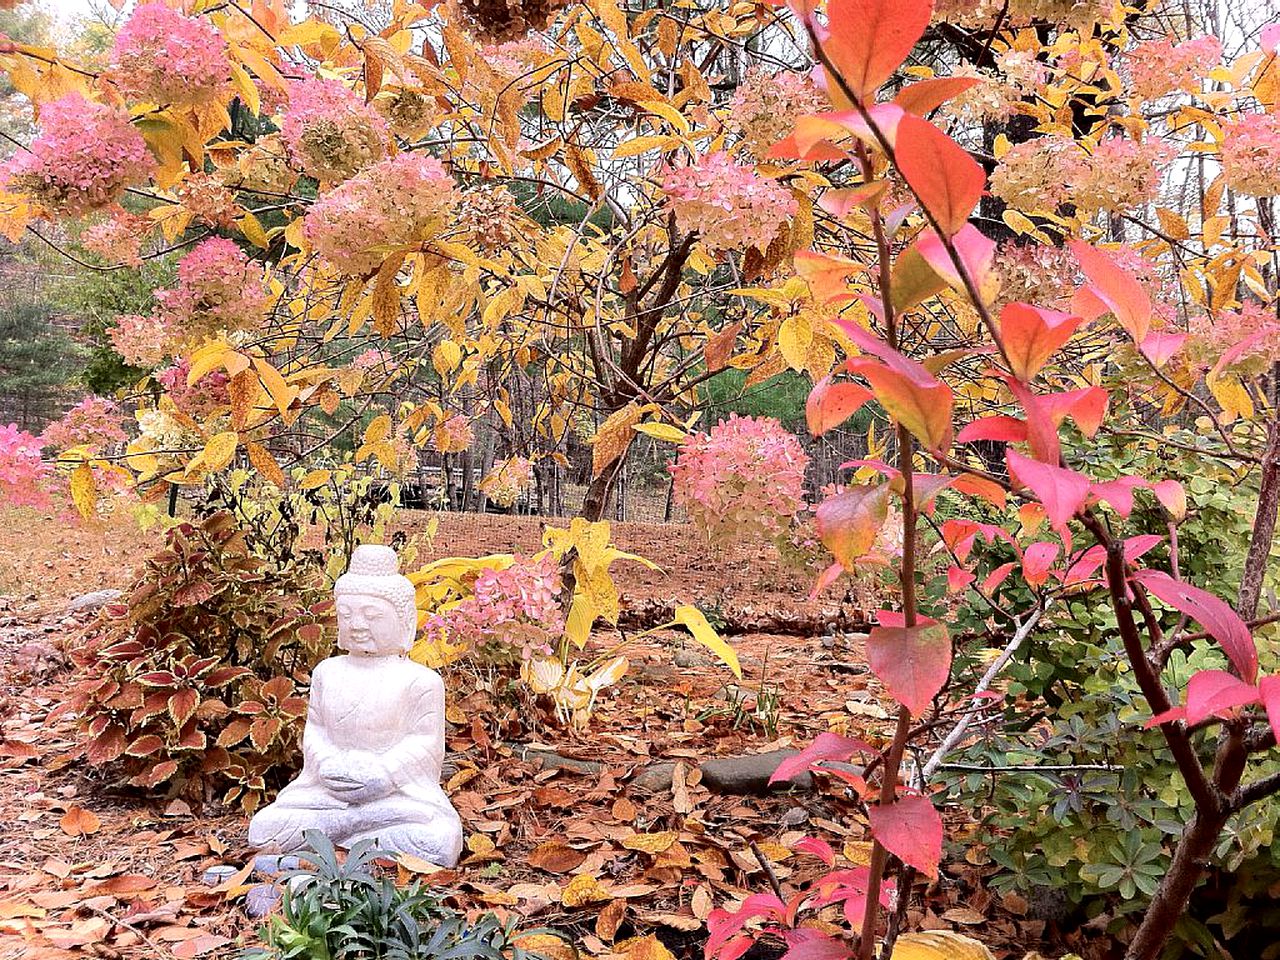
(335, 910)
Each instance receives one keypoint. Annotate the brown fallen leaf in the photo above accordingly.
(199, 946)
(610, 919)
(125, 883)
(964, 915)
(556, 857)
(623, 810)
(79, 822)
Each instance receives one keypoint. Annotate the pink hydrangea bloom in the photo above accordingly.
(765, 106)
(206, 396)
(728, 203)
(330, 132)
(208, 199)
(1037, 174)
(94, 422)
(1245, 340)
(85, 156)
(1121, 174)
(118, 239)
(142, 341)
(453, 434)
(219, 289)
(507, 480)
(24, 476)
(1159, 67)
(1251, 154)
(373, 357)
(402, 199)
(744, 476)
(511, 612)
(162, 57)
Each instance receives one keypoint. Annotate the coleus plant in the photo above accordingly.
(926, 246)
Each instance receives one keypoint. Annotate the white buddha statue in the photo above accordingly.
(374, 739)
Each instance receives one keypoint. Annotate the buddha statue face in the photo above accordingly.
(368, 626)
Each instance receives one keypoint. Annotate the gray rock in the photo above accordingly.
(89, 602)
(750, 774)
(269, 864)
(217, 874)
(550, 760)
(688, 657)
(260, 899)
(655, 778)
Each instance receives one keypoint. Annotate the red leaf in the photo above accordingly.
(1218, 619)
(997, 577)
(1116, 287)
(1007, 429)
(947, 181)
(809, 944)
(925, 95)
(831, 404)
(1086, 406)
(788, 149)
(958, 579)
(1269, 691)
(1214, 693)
(1160, 347)
(1061, 491)
(849, 522)
(988, 490)
(826, 746)
(1119, 493)
(1037, 561)
(819, 848)
(921, 403)
(182, 705)
(911, 829)
(144, 745)
(913, 663)
(1173, 497)
(1032, 335)
(868, 39)
(976, 251)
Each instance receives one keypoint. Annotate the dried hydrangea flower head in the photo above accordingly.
(162, 57)
(330, 132)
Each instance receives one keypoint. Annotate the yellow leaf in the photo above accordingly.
(939, 945)
(582, 890)
(614, 437)
(281, 392)
(379, 429)
(219, 451)
(445, 357)
(265, 464)
(668, 113)
(794, 337)
(84, 490)
(252, 229)
(651, 842)
(315, 478)
(639, 145)
(577, 625)
(696, 623)
(661, 431)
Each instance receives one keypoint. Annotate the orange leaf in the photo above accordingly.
(831, 404)
(919, 98)
(947, 181)
(556, 857)
(79, 822)
(867, 40)
(915, 399)
(848, 522)
(1032, 335)
(1117, 288)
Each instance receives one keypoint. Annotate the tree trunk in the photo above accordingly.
(1189, 861)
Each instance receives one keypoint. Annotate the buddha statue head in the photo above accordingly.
(377, 616)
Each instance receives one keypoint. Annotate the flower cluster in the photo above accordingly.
(453, 434)
(1251, 154)
(23, 475)
(511, 613)
(1044, 173)
(371, 358)
(727, 202)
(410, 113)
(162, 57)
(94, 423)
(1035, 273)
(219, 289)
(1120, 174)
(118, 238)
(208, 199)
(264, 167)
(1159, 67)
(745, 476)
(507, 480)
(142, 341)
(765, 106)
(206, 396)
(85, 156)
(1251, 335)
(399, 200)
(491, 215)
(330, 132)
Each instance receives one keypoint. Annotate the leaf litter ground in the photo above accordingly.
(90, 868)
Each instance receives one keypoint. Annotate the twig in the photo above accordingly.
(768, 870)
(951, 739)
(1028, 767)
(160, 951)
